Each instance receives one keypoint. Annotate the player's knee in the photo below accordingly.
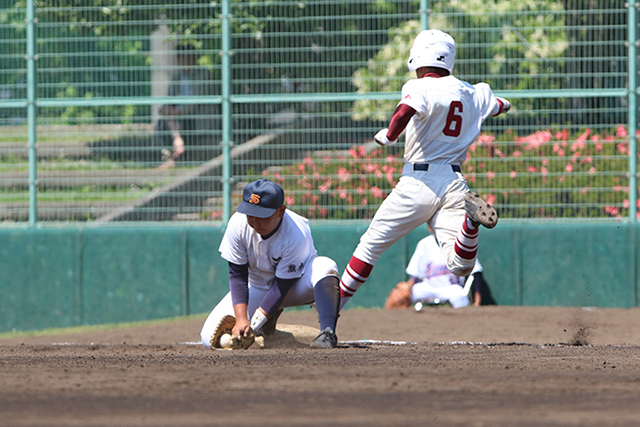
(205, 337)
(324, 266)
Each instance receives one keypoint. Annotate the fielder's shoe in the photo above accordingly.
(326, 339)
(479, 211)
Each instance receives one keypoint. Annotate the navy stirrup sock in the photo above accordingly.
(327, 296)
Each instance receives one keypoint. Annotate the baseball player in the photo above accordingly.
(431, 282)
(273, 264)
(442, 116)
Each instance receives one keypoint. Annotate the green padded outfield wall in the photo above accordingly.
(208, 272)
(39, 279)
(59, 277)
(133, 274)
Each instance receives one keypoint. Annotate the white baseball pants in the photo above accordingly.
(435, 196)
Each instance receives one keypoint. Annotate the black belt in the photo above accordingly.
(425, 167)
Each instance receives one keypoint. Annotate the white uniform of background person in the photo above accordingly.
(434, 281)
(287, 253)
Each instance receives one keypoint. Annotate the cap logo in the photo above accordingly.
(255, 199)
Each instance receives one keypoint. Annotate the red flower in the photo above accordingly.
(623, 148)
(343, 175)
(611, 210)
(377, 193)
(621, 132)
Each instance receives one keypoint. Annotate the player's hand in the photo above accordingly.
(241, 328)
(178, 146)
(381, 138)
(506, 105)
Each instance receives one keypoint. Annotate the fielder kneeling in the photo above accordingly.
(273, 264)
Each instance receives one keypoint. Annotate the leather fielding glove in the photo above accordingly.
(223, 338)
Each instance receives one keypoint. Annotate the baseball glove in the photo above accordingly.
(399, 297)
(225, 326)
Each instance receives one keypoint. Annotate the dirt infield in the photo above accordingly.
(477, 366)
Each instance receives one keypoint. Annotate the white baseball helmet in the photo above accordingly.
(432, 48)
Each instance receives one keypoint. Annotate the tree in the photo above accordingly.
(511, 44)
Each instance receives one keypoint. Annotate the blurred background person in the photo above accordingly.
(431, 282)
(183, 130)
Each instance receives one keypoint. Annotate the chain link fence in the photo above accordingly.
(162, 111)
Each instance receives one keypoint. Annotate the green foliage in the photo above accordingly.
(100, 48)
(511, 44)
(386, 72)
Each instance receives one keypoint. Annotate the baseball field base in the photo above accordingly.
(289, 336)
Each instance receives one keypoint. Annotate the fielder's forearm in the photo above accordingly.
(239, 283)
(240, 312)
(275, 295)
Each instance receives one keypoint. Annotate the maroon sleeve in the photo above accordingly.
(501, 104)
(399, 121)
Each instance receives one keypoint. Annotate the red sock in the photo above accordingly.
(354, 276)
(467, 240)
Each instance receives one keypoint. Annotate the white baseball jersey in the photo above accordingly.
(429, 263)
(285, 254)
(449, 114)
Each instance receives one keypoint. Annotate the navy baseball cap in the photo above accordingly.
(261, 198)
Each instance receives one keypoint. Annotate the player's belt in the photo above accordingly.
(425, 167)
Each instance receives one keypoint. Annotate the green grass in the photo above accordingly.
(68, 133)
(16, 163)
(78, 195)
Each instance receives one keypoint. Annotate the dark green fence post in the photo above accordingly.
(226, 111)
(633, 111)
(31, 111)
(424, 14)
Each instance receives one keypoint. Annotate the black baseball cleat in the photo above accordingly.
(479, 211)
(326, 339)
